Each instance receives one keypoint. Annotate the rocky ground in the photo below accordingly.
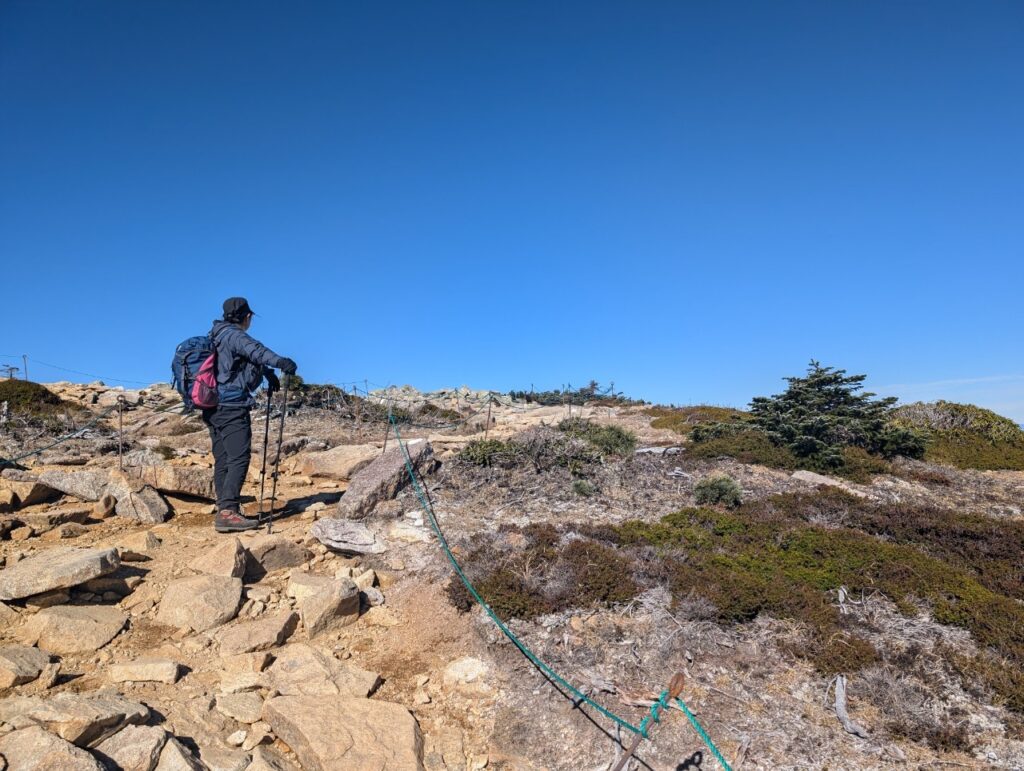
(136, 637)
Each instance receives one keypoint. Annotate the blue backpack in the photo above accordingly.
(188, 358)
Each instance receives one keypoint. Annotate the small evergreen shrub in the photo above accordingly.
(607, 440)
(825, 411)
(489, 452)
(718, 490)
(583, 488)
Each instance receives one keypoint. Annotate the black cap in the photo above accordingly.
(237, 309)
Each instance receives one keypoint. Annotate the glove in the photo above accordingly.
(288, 366)
(273, 384)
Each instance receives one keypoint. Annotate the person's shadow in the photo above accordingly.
(694, 761)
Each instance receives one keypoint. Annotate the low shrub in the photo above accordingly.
(746, 447)
(787, 556)
(584, 488)
(721, 490)
(431, 413)
(548, 572)
(683, 420)
(964, 435)
(975, 452)
(489, 452)
(28, 398)
(608, 440)
(859, 465)
(547, 449)
(762, 558)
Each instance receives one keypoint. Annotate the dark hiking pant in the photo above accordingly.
(231, 437)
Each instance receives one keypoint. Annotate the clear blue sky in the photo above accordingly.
(690, 199)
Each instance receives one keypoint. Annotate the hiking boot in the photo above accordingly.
(229, 521)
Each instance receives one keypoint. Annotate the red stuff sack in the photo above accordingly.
(204, 388)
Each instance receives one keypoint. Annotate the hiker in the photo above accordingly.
(242, 364)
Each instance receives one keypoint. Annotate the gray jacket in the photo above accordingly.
(242, 363)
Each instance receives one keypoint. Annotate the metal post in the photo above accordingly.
(24, 361)
(487, 428)
(387, 429)
(120, 433)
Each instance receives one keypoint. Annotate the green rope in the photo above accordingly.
(703, 734)
(653, 716)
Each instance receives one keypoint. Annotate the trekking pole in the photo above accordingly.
(277, 458)
(675, 688)
(263, 470)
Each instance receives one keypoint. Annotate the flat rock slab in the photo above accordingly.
(259, 635)
(21, 664)
(133, 747)
(200, 602)
(145, 670)
(344, 535)
(84, 485)
(226, 558)
(344, 733)
(383, 478)
(58, 568)
(194, 481)
(82, 720)
(243, 707)
(47, 520)
(67, 629)
(35, 749)
(302, 670)
(820, 479)
(338, 463)
(267, 553)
